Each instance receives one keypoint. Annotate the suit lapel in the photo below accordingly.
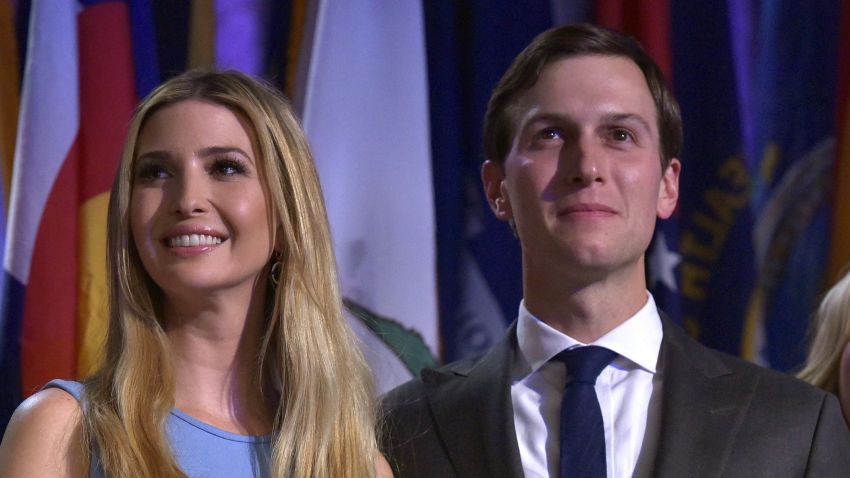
(703, 404)
(474, 416)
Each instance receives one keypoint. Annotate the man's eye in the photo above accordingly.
(621, 135)
(550, 134)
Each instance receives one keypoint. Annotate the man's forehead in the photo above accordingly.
(606, 84)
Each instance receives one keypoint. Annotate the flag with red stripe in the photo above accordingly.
(79, 90)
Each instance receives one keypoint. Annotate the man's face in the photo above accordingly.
(583, 180)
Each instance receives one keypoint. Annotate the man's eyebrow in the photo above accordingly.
(546, 116)
(617, 117)
(543, 116)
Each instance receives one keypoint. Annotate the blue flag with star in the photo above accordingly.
(700, 267)
(742, 262)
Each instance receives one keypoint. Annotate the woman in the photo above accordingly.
(828, 363)
(227, 354)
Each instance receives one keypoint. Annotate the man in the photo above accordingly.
(581, 137)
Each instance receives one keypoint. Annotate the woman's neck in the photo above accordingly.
(215, 342)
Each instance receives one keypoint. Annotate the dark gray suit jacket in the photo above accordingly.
(720, 416)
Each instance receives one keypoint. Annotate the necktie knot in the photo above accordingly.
(585, 363)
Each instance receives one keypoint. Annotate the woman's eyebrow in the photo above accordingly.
(217, 150)
(153, 155)
(204, 153)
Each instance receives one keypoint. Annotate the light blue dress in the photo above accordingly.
(201, 449)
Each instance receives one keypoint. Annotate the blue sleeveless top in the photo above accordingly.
(201, 449)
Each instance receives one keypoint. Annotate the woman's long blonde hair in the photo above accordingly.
(831, 327)
(324, 424)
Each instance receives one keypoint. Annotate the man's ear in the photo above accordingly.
(493, 178)
(668, 190)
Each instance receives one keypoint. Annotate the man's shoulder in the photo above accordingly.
(781, 384)
(409, 425)
(769, 382)
(414, 390)
(437, 424)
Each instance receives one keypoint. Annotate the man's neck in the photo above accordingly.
(584, 310)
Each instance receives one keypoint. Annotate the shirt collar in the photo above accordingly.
(638, 339)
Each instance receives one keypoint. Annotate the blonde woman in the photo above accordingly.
(227, 354)
(828, 363)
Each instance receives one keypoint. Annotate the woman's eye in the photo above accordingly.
(152, 172)
(228, 167)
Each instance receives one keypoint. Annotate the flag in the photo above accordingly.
(9, 85)
(240, 35)
(646, 20)
(700, 262)
(743, 259)
(470, 45)
(365, 113)
(840, 238)
(9, 81)
(47, 136)
(793, 93)
(201, 37)
(78, 94)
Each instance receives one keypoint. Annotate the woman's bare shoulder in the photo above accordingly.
(43, 438)
(383, 467)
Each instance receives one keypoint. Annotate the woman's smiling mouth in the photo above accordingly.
(193, 240)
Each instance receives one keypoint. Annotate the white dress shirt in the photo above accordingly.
(628, 390)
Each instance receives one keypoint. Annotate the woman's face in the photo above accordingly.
(198, 211)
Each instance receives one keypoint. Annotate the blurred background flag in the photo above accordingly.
(365, 112)
(78, 91)
(9, 87)
(470, 45)
(840, 246)
(792, 164)
(47, 139)
(706, 245)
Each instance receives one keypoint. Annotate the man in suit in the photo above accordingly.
(582, 138)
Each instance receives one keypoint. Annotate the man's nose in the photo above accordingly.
(584, 160)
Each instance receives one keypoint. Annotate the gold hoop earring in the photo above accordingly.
(274, 273)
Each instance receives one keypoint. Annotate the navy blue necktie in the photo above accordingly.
(582, 432)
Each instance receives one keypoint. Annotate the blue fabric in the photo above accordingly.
(469, 46)
(582, 431)
(201, 449)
